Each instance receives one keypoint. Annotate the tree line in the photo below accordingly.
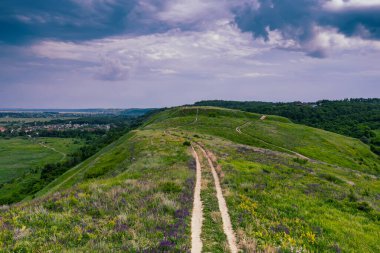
(358, 118)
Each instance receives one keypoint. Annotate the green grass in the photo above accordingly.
(116, 156)
(136, 194)
(274, 133)
(19, 155)
(145, 207)
(276, 202)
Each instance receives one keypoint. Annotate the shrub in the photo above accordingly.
(170, 187)
(331, 178)
(96, 172)
(364, 206)
(300, 161)
(375, 149)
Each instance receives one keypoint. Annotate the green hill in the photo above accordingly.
(287, 187)
(356, 117)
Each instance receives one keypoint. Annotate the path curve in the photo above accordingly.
(227, 226)
(197, 215)
(53, 149)
(238, 129)
(177, 127)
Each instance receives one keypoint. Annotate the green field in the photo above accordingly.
(18, 155)
(288, 188)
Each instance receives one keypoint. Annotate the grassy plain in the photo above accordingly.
(18, 155)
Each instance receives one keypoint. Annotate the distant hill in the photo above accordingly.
(136, 112)
(127, 112)
(287, 187)
(358, 118)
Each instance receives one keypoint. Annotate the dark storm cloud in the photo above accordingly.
(364, 22)
(24, 21)
(296, 19)
(285, 15)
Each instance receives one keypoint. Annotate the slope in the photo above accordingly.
(274, 133)
(136, 194)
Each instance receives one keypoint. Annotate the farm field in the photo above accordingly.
(18, 155)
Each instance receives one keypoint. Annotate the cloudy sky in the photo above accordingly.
(153, 53)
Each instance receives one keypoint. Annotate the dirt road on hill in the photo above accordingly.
(191, 123)
(227, 226)
(239, 131)
(197, 215)
(197, 212)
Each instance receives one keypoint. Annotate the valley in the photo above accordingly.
(18, 155)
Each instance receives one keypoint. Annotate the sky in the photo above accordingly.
(156, 53)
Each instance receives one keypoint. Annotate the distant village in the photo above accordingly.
(53, 127)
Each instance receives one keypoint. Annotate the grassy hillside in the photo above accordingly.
(289, 188)
(274, 133)
(358, 118)
(18, 155)
(139, 201)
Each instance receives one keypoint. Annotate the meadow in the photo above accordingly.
(275, 133)
(136, 194)
(19, 155)
(281, 202)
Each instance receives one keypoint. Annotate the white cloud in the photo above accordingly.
(324, 41)
(165, 71)
(276, 39)
(328, 40)
(113, 70)
(257, 74)
(348, 4)
(196, 52)
(93, 4)
(179, 11)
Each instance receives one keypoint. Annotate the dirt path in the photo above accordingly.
(197, 212)
(177, 127)
(227, 226)
(197, 215)
(53, 149)
(238, 129)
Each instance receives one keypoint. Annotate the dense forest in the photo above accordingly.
(358, 118)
